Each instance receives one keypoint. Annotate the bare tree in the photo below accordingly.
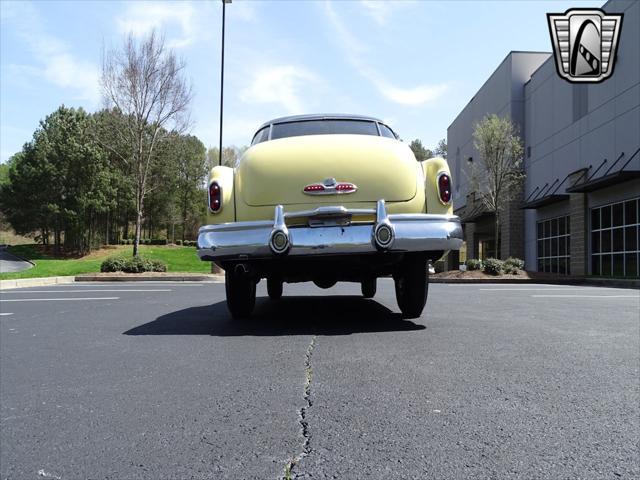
(499, 174)
(144, 83)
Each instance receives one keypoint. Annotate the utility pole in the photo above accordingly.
(224, 5)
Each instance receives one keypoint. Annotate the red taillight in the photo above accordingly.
(316, 187)
(215, 197)
(444, 188)
(345, 187)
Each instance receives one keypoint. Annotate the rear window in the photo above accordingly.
(261, 136)
(386, 131)
(323, 127)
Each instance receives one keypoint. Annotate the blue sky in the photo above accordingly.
(414, 64)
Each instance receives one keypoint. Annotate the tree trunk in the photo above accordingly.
(497, 236)
(136, 241)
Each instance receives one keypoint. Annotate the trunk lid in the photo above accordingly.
(275, 172)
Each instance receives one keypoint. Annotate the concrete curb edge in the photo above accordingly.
(599, 282)
(44, 281)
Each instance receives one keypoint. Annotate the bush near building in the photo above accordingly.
(473, 264)
(492, 266)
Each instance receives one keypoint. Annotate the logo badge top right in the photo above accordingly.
(585, 42)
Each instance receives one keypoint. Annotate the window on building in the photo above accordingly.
(554, 245)
(580, 101)
(614, 239)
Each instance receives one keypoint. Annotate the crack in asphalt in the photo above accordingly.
(302, 416)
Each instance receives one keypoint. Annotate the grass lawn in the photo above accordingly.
(177, 259)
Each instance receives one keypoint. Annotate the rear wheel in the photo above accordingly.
(368, 287)
(412, 285)
(241, 294)
(274, 288)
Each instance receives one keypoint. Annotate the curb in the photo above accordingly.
(150, 278)
(599, 282)
(44, 281)
(35, 282)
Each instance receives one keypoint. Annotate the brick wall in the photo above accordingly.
(512, 228)
(577, 219)
(470, 238)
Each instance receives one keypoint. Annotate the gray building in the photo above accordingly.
(578, 211)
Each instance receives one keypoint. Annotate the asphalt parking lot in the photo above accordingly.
(154, 380)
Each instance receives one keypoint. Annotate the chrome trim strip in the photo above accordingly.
(338, 210)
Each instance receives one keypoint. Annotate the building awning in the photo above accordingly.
(547, 198)
(604, 181)
(479, 213)
(544, 201)
(592, 184)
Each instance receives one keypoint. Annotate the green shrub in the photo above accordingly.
(158, 241)
(473, 264)
(178, 242)
(516, 262)
(492, 266)
(112, 264)
(132, 265)
(513, 265)
(438, 266)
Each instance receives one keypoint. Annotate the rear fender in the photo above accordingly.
(225, 178)
(431, 169)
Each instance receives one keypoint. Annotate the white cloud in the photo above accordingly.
(243, 10)
(414, 96)
(140, 18)
(280, 85)
(378, 10)
(54, 60)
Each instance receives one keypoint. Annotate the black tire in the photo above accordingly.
(241, 294)
(274, 288)
(369, 287)
(412, 285)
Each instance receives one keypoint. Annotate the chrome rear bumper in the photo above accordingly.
(329, 231)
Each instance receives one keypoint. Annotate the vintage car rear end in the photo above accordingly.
(328, 198)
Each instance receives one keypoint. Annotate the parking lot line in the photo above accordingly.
(538, 289)
(130, 284)
(5, 314)
(57, 299)
(586, 296)
(93, 291)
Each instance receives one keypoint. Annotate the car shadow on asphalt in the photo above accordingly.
(330, 315)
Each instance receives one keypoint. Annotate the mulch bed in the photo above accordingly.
(480, 275)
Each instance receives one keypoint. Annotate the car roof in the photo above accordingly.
(319, 116)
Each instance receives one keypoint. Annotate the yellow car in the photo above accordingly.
(328, 198)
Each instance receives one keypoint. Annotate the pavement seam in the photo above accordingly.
(302, 415)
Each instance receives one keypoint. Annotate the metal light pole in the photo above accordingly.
(224, 5)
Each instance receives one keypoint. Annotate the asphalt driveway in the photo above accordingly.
(11, 263)
(154, 380)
